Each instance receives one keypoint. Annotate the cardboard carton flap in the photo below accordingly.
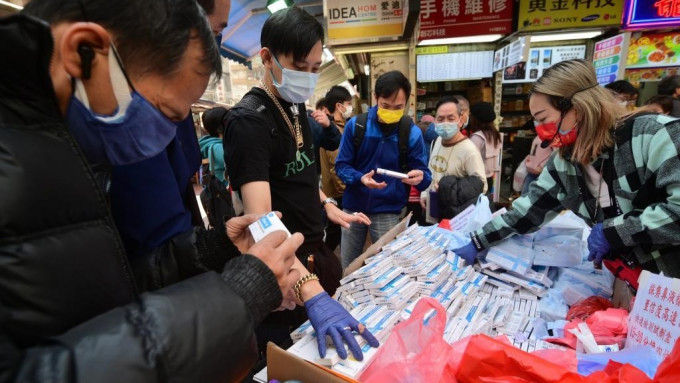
(283, 366)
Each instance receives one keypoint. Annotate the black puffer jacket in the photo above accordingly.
(69, 309)
(456, 194)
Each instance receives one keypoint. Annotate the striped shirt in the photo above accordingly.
(644, 177)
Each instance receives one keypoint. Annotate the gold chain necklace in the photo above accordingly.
(295, 132)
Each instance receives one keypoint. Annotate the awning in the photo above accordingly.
(241, 38)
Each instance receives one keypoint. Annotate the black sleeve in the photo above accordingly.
(330, 137)
(248, 146)
(199, 330)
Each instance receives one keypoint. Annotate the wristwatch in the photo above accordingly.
(329, 200)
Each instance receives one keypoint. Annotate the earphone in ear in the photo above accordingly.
(86, 54)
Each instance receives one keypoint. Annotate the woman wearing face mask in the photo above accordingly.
(617, 171)
(456, 165)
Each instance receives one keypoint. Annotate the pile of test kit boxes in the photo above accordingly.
(480, 299)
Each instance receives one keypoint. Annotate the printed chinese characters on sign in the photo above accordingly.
(553, 14)
(455, 18)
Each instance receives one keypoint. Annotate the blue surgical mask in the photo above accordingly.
(295, 86)
(446, 130)
(135, 132)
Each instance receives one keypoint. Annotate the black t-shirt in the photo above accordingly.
(258, 146)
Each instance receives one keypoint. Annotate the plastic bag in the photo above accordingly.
(480, 215)
(520, 175)
(415, 350)
(642, 357)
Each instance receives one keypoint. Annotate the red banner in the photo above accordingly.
(456, 18)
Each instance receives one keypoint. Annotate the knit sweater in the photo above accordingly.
(645, 174)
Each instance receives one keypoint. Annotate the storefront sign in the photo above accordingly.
(541, 59)
(539, 15)
(654, 50)
(607, 59)
(649, 74)
(511, 54)
(364, 20)
(455, 18)
(654, 320)
(454, 66)
(432, 49)
(652, 14)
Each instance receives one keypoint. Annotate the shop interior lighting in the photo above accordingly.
(276, 5)
(462, 40)
(10, 6)
(565, 36)
(367, 69)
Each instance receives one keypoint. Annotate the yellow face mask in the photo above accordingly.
(390, 116)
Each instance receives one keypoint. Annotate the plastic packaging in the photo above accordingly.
(583, 309)
(415, 350)
(642, 357)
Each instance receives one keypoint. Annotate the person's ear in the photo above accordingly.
(84, 49)
(266, 56)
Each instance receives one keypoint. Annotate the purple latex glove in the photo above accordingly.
(467, 252)
(598, 246)
(328, 317)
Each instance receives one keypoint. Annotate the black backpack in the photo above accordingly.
(216, 200)
(404, 133)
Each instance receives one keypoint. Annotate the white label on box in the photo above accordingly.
(265, 225)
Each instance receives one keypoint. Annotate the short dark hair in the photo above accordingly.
(622, 87)
(214, 119)
(291, 30)
(446, 100)
(337, 94)
(151, 36)
(664, 101)
(320, 103)
(668, 85)
(207, 5)
(389, 83)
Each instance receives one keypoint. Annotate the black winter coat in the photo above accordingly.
(69, 307)
(456, 194)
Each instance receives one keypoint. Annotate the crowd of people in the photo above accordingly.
(109, 272)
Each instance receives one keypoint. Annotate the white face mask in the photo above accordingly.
(295, 86)
(348, 111)
(623, 103)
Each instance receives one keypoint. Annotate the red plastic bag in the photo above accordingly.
(415, 350)
(669, 369)
(490, 360)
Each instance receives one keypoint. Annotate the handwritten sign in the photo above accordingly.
(655, 319)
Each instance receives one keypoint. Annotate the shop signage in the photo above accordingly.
(454, 66)
(541, 59)
(654, 50)
(539, 15)
(652, 14)
(607, 59)
(650, 74)
(432, 49)
(654, 320)
(511, 54)
(364, 20)
(456, 18)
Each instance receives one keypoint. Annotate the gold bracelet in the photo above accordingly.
(302, 281)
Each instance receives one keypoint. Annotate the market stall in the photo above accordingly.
(533, 299)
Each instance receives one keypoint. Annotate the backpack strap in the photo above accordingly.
(359, 130)
(404, 134)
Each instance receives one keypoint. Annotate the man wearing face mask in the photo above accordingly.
(269, 154)
(456, 165)
(620, 173)
(382, 138)
(339, 103)
(87, 88)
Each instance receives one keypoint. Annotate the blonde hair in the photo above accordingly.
(597, 111)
